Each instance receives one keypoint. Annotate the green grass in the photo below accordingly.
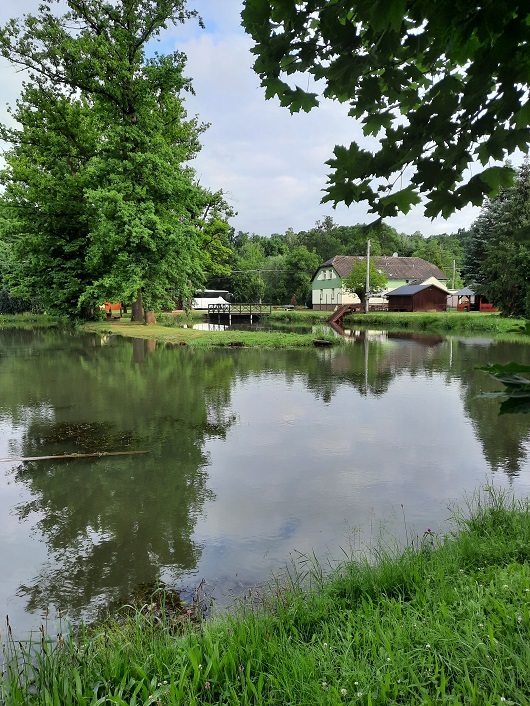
(177, 328)
(174, 334)
(444, 621)
(30, 321)
(443, 322)
(170, 328)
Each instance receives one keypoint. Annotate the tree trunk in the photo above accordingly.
(150, 317)
(137, 309)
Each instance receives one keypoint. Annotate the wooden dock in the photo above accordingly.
(340, 312)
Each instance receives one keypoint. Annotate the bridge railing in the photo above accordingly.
(239, 309)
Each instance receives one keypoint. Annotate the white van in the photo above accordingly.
(210, 296)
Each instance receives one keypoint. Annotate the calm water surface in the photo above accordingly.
(254, 457)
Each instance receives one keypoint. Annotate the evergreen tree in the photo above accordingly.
(497, 251)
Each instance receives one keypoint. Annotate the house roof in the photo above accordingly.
(407, 290)
(395, 268)
(465, 292)
(412, 289)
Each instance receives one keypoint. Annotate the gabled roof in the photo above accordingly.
(395, 268)
(465, 292)
(412, 289)
(407, 290)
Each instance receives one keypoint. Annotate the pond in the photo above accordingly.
(253, 458)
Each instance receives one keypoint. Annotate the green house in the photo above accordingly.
(327, 291)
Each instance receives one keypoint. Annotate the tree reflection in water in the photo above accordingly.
(111, 524)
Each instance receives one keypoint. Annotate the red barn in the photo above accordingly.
(417, 297)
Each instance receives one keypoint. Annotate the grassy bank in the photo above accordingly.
(445, 621)
(442, 322)
(176, 329)
(28, 321)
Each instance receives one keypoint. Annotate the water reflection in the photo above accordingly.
(252, 455)
(111, 523)
(211, 327)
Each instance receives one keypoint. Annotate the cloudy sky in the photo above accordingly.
(269, 163)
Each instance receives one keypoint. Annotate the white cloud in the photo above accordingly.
(270, 164)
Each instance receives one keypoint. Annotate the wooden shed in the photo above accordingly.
(417, 297)
(469, 301)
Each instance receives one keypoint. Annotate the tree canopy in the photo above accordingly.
(496, 249)
(102, 202)
(439, 86)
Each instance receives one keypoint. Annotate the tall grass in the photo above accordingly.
(29, 320)
(442, 322)
(446, 620)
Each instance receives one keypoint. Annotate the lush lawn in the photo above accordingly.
(446, 621)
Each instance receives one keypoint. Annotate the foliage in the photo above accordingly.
(442, 322)
(443, 251)
(300, 266)
(440, 621)
(496, 250)
(246, 282)
(517, 392)
(323, 241)
(100, 199)
(215, 238)
(356, 281)
(437, 85)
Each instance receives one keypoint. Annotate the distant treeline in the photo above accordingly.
(276, 267)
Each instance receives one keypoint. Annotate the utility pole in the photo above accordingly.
(454, 272)
(367, 295)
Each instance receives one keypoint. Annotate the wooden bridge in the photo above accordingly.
(239, 311)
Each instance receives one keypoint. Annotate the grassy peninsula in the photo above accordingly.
(444, 621)
(177, 328)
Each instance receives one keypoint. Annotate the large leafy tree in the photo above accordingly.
(438, 84)
(300, 266)
(106, 175)
(45, 216)
(247, 282)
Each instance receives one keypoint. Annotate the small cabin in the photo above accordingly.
(417, 297)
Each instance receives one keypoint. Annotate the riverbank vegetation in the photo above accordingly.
(176, 334)
(288, 329)
(445, 620)
(442, 322)
(28, 320)
(177, 328)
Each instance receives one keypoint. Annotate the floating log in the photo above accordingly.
(49, 458)
(322, 342)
